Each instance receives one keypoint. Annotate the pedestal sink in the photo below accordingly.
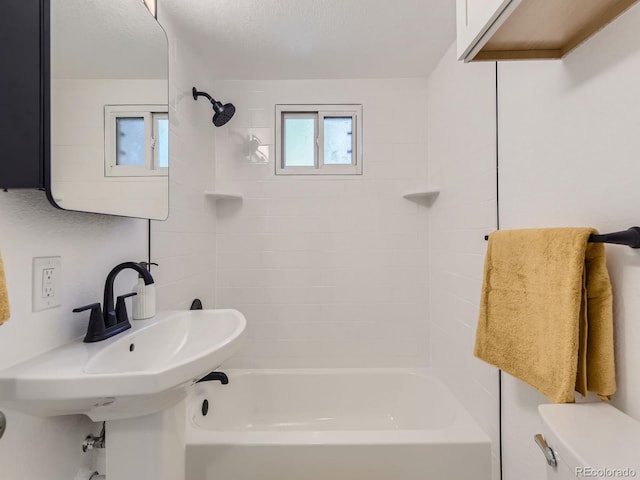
(131, 381)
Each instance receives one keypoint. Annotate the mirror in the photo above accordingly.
(109, 109)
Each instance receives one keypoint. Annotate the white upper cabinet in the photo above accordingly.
(529, 29)
(473, 19)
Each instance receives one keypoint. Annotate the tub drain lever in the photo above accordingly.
(3, 424)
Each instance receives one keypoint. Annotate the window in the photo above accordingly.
(136, 140)
(318, 139)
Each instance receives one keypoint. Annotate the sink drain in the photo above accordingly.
(205, 407)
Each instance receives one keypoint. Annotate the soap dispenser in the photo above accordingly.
(144, 302)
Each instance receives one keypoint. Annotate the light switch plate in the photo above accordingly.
(46, 282)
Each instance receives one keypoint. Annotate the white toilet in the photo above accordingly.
(589, 440)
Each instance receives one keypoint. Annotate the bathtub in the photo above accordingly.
(332, 424)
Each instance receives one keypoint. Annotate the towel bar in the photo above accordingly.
(629, 237)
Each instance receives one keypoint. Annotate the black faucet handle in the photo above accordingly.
(96, 322)
(93, 307)
(121, 308)
(127, 295)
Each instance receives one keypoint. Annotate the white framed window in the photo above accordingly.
(136, 140)
(318, 139)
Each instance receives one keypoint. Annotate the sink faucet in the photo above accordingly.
(111, 316)
(103, 325)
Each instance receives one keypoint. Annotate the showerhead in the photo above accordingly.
(223, 112)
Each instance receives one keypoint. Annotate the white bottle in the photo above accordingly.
(144, 302)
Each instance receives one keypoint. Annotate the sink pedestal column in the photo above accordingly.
(151, 447)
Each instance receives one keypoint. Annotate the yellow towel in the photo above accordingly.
(5, 313)
(546, 311)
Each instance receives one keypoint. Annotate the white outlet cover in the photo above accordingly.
(40, 264)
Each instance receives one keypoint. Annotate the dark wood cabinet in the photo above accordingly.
(24, 93)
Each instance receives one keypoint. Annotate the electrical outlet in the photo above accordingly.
(48, 282)
(47, 272)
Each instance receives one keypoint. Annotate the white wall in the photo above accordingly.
(90, 245)
(184, 245)
(462, 163)
(569, 151)
(329, 271)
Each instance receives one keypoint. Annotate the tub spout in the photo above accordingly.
(215, 376)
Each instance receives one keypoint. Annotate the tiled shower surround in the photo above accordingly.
(329, 270)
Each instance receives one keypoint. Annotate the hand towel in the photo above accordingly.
(5, 312)
(546, 311)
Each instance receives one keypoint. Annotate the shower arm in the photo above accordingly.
(197, 94)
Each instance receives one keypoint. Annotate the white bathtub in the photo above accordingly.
(332, 424)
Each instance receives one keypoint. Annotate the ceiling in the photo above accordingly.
(313, 39)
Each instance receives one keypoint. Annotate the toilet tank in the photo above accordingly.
(590, 440)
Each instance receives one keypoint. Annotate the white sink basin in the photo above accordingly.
(140, 371)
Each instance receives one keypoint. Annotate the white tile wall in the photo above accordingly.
(462, 159)
(184, 245)
(90, 245)
(329, 271)
(569, 157)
